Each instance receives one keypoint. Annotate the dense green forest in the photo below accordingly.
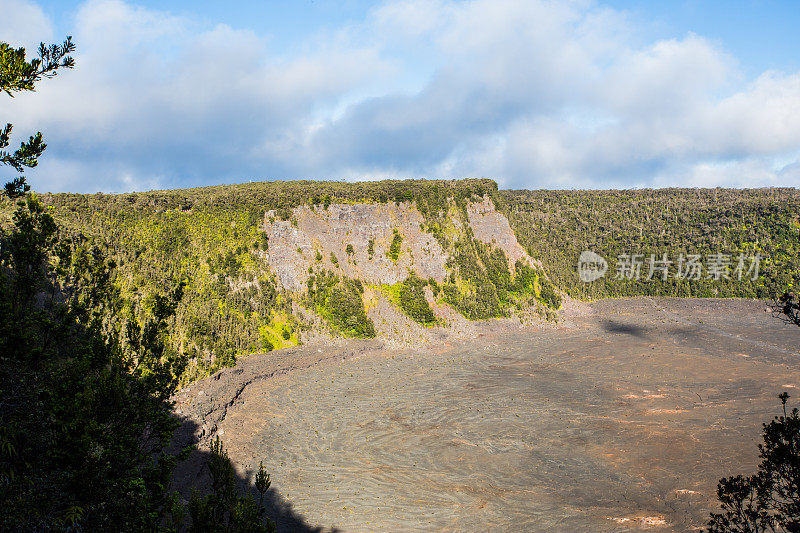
(556, 226)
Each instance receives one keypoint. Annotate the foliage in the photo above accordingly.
(85, 415)
(17, 74)
(556, 226)
(223, 510)
(413, 301)
(86, 374)
(394, 248)
(788, 305)
(482, 286)
(339, 301)
(262, 482)
(472, 292)
(768, 500)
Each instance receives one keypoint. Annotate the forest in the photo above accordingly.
(556, 226)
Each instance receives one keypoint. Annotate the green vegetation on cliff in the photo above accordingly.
(394, 248)
(339, 302)
(481, 284)
(413, 301)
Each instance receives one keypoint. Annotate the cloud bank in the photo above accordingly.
(533, 94)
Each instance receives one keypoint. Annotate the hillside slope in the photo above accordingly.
(556, 226)
(267, 266)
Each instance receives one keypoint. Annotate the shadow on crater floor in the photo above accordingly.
(193, 474)
(612, 326)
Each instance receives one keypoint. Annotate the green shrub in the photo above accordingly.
(525, 278)
(496, 264)
(284, 213)
(394, 248)
(413, 302)
(434, 287)
(339, 302)
(266, 345)
(549, 295)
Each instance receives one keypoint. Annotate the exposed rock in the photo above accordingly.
(293, 245)
(330, 231)
(492, 227)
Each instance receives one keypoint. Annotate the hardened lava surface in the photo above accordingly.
(622, 418)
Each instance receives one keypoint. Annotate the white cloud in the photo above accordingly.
(530, 93)
(23, 23)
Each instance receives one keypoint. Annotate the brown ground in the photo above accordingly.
(621, 419)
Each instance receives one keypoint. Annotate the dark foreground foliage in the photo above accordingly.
(86, 375)
(768, 500)
(85, 385)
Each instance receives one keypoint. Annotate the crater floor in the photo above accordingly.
(622, 418)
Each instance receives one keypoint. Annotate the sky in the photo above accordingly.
(533, 94)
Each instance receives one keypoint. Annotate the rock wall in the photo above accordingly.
(293, 244)
(313, 234)
(492, 227)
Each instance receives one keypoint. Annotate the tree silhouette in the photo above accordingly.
(768, 500)
(16, 75)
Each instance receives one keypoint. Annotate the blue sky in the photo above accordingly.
(533, 94)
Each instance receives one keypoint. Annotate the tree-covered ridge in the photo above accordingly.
(556, 226)
(266, 195)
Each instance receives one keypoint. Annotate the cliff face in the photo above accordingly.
(269, 265)
(492, 227)
(455, 254)
(316, 236)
